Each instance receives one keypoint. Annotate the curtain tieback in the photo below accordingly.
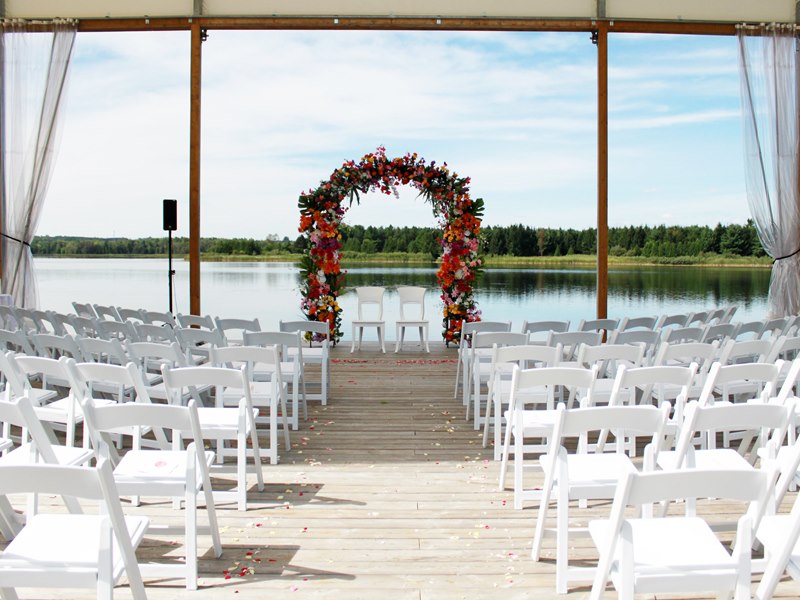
(774, 260)
(24, 243)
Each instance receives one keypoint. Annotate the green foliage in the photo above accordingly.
(659, 242)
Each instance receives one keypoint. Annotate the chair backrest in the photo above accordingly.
(527, 356)
(233, 329)
(19, 412)
(649, 337)
(543, 328)
(9, 318)
(749, 330)
(55, 346)
(87, 374)
(177, 381)
(599, 325)
(743, 351)
(148, 332)
(26, 320)
(151, 355)
(775, 327)
(720, 332)
(676, 320)
(195, 342)
(41, 366)
(622, 421)
(650, 381)
(314, 331)
(608, 357)
(570, 341)
(204, 322)
(261, 359)
(762, 375)
(107, 313)
(487, 339)
(412, 297)
(578, 385)
(629, 323)
(370, 302)
(715, 316)
(282, 339)
(155, 317)
(49, 321)
(84, 310)
(121, 330)
(681, 335)
(130, 314)
(16, 341)
(698, 318)
(769, 420)
(102, 351)
(86, 326)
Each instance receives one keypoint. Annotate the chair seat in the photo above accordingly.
(717, 458)
(165, 468)
(51, 540)
(65, 455)
(597, 471)
(666, 548)
(62, 406)
(221, 420)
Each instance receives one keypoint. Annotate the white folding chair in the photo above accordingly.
(175, 472)
(204, 322)
(370, 314)
(412, 298)
(588, 476)
(677, 554)
(480, 367)
(637, 323)
(608, 358)
(503, 360)
(232, 419)
(266, 391)
(71, 550)
(543, 328)
(195, 343)
(313, 331)
(532, 388)
(468, 330)
(290, 363)
(233, 329)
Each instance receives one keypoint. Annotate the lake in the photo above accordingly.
(269, 291)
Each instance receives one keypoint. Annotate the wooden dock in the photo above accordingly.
(386, 494)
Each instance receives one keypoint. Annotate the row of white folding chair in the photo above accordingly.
(229, 331)
(584, 476)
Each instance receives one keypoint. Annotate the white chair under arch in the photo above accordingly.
(370, 314)
(412, 315)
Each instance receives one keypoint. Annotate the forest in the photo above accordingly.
(513, 240)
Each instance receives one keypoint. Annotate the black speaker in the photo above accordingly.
(170, 215)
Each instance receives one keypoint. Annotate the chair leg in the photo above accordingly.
(324, 381)
(190, 535)
(241, 471)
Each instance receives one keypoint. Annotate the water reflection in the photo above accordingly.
(269, 291)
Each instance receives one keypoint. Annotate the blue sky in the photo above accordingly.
(516, 112)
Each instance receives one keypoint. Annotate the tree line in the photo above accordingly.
(512, 240)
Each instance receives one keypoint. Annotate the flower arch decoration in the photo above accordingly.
(458, 215)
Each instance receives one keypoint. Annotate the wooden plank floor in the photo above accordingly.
(386, 493)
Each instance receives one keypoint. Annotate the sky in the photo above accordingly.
(515, 112)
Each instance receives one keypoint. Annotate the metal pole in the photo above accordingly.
(170, 272)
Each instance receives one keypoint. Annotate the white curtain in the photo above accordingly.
(36, 61)
(769, 78)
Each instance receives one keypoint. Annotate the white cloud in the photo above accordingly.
(281, 110)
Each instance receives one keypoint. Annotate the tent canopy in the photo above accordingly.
(718, 11)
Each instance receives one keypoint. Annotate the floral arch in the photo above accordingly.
(458, 215)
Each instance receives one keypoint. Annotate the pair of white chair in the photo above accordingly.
(370, 314)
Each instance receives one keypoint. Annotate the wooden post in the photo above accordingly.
(602, 169)
(194, 169)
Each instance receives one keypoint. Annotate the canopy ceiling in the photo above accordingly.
(719, 11)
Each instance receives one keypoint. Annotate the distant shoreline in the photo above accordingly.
(491, 261)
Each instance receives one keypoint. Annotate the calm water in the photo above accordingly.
(269, 291)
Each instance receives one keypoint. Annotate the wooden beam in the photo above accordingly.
(194, 168)
(403, 23)
(602, 170)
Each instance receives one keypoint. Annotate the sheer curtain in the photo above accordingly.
(769, 78)
(35, 68)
